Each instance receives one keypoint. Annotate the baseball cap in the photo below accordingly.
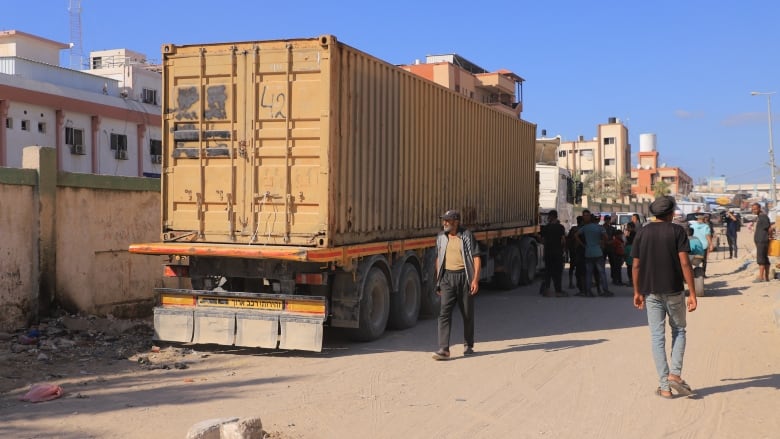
(451, 215)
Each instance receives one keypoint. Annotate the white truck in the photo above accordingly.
(556, 191)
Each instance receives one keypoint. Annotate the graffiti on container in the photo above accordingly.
(275, 103)
(216, 96)
(186, 98)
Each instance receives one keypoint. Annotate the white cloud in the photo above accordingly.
(744, 119)
(684, 114)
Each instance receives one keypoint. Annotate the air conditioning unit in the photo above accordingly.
(157, 159)
(121, 154)
(77, 150)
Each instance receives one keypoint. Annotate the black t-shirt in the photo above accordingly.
(657, 245)
(762, 229)
(551, 236)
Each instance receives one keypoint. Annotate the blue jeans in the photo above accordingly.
(658, 307)
(598, 265)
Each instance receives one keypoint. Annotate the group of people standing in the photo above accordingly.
(589, 246)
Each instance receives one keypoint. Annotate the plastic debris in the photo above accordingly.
(42, 392)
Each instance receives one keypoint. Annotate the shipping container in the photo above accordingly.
(313, 143)
(303, 185)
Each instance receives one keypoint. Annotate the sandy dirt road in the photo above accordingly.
(545, 368)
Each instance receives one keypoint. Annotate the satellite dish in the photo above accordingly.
(663, 165)
(639, 166)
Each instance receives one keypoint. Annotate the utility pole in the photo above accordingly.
(773, 182)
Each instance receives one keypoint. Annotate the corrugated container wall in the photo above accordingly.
(312, 143)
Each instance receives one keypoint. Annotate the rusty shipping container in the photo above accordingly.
(310, 142)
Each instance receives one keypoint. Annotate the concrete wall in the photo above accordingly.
(18, 258)
(64, 240)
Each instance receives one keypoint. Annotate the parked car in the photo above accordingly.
(623, 218)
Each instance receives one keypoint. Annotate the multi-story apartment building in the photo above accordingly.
(608, 155)
(105, 120)
(501, 89)
(647, 173)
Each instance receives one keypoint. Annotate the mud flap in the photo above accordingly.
(212, 326)
(257, 330)
(301, 333)
(172, 324)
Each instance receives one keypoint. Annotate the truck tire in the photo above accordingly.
(512, 275)
(529, 264)
(405, 304)
(430, 302)
(374, 306)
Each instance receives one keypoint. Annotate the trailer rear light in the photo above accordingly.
(177, 300)
(311, 278)
(305, 306)
(176, 271)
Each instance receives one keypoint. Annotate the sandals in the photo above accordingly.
(681, 387)
(660, 391)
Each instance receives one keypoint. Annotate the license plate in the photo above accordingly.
(241, 302)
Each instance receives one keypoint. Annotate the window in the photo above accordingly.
(25, 125)
(668, 179)
(97, 62)
(118, 142)
(42, 127)
(586, 154)
(634, 181)
(609, 140)
(9, 123)
(149, 96)
(155, 147)
(74, 137)
(561, 153)
(609, 162)
(586, 171)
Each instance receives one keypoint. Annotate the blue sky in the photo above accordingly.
(683, 70)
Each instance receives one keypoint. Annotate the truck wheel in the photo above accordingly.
(430, 302)
(529, 265)
(405, 304)
(374, 306)
(512, 275)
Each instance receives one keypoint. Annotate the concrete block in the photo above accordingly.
(227, 428)
(245, 428)
(208, 429)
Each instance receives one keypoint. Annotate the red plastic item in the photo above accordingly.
(42, 392)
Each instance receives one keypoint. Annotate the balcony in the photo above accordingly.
(496, 83)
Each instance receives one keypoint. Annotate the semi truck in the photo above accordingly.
(556, 191)
(302, 187)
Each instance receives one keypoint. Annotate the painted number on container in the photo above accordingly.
(274, 102)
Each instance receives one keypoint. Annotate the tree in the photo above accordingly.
(603, 185)
(661, 188)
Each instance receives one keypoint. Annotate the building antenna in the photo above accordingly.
(76, 51)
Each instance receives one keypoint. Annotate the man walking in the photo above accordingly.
(593, 237)
(458, 263)
(660, 266)
(554, 240)
(763, 230)
(733, 225)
